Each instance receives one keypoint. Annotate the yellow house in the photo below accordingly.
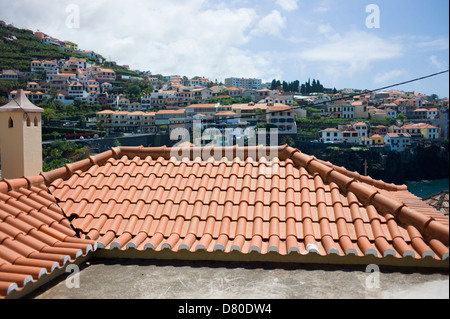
(70, 69)
(423, 130)
(377, 139)
(71, 45)
(429, 132)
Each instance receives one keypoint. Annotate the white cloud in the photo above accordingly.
(217, 39)
(436, 44)
(352, 52)
(325, 28)
(321, 9)
(288, 5)
(328, 31)
(186, 37)
(271, 24)
(438, 64)
(387, 77)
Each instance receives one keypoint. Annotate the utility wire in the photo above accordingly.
(310, 105)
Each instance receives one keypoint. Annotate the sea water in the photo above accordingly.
(427, 188)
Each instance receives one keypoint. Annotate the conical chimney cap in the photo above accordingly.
(21, 103)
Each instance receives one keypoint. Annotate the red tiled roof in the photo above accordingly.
(141, 198)
(439, 201)
(35, 236)
(292, 205)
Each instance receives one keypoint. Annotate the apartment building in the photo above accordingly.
(341, 109)
(249, 84)
(283, 117)
(171, 118)
(70, 69)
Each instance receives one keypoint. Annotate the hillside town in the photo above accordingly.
(176, 101)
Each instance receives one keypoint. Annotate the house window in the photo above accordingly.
(28, 121)
(10, 123)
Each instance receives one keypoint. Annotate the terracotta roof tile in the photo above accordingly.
(35, 236)
(293, 203)
(439, 201)
(240, 200)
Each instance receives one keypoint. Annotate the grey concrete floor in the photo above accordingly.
(147, 279)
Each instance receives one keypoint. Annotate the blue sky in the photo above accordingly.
(283, 39)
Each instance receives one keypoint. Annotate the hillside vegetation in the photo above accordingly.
(18, 54)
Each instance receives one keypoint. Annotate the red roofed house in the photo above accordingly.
(397, 141)
(265, 204)
(422, 130)
(105, 75)
(9, 75)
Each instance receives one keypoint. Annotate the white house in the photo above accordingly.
(78, 62)
(49, 64)
(397, 141)
(432, 113)
(282, 99)
(51, 73)
(10, 75)
(106, 86)
(228, 118)
(76, 91)
(330, 135)
(64, 99)
(49, 40)
(36, 66)
(362, 129)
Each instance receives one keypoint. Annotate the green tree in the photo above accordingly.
(60, 153)
(48, 114)
(288, 140)
(3, 100)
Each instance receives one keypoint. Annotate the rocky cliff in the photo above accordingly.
(422, 162)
